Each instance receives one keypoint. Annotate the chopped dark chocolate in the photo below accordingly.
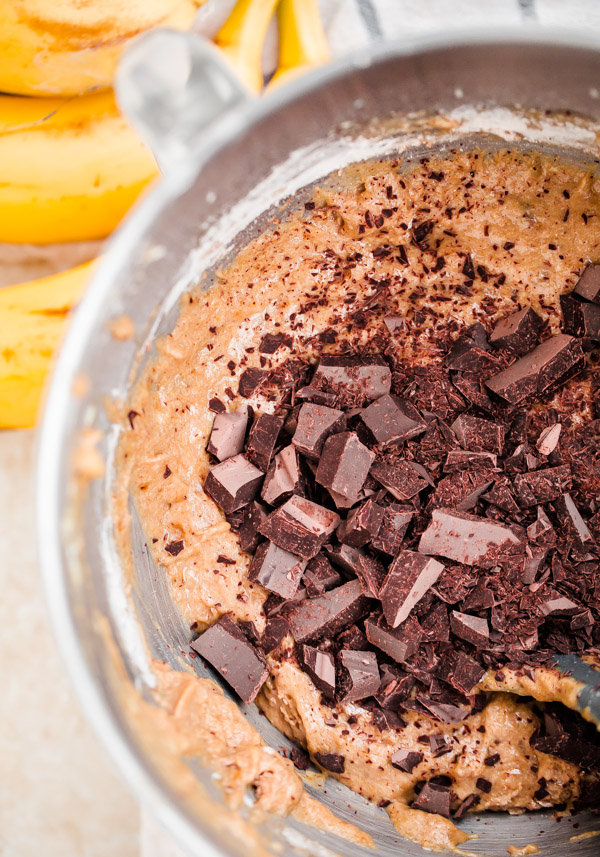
(588, 285)
(320, 576)
(433, 798)
(548, 439)
(394, 687)
(460, 459)
(461, 490)
(465, 806)
(362, 524)
(542, 486)
(471, 629)
(283, 477)
(479, 435)
(371, 574)
(386, 719)
(262, 439)
(518, 332)
(333, 762)
(321, 668)
(580, 318)
(460, 671)
(551, 363)
(228, 434)
(464, 538)
(250, 381)
(315, 424)
(300, 759)
(300, 526)
(573, 525)
(390, 420)
(409, 577)
(460, 356)
(406, 760)
(276, 569)
(229, 651)
(393, 528)
(275, 630)
(324, 616)
(358, 675)
(401, 478)
(233, 483)
(251, 517)
(483, 785)
(360, 379)
(344, 465)
(399, 643)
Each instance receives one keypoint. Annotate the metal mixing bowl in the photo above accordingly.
(230, 165)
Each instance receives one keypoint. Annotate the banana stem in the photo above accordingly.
(302, 42)
(242, 36)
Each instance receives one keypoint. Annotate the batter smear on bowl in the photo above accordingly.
(369, 461)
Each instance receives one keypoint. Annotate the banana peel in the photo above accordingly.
(241, 39)
(33, 318)
(302, 41)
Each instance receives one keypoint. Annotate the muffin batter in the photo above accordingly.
(385, 239)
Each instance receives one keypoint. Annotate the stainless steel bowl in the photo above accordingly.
(229, 162)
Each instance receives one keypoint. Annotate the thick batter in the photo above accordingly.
(529, 224)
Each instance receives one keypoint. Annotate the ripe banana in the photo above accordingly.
(242, 36)
(70, 168)
(66, 47)
(302, 42)
(32, 322)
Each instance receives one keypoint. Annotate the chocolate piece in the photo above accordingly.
(580, 318)
(463, 538)
(251, 518)
(534, 560)
(344, 465)
(439, 745)
(358, 675)
(445, 712)
(275, 630)
(470, 345)
(227, 649)
(215, 405)
(272, 341)
(406, 760)
(518, 332)
(250, 381)
(471, 386)
(542, 486)
(324, 616)
(491, 761)
(315, 424)
(469, 628)
(320, 576)
(433, 798)
(394, 687)
(483, 785)
(333, 762)
(548, 439)
(321, 668)
(362, 524)
(370, 573)
(390, 420)
(501, 495)
(573, 524)
(276, 569)
(385, 719)
(262, 439)
(401, 479)
(469, 803)
(283, 477)
(409, 577)
(360, 378)
(435, 624)
(399, 643)
(461, 490)
(300, 526)
(559, 605)
(174, 548)
(228, 434)
(460, 459)
(353, 638)
(588, 285)
(300, 759)
(549, 364)
(318, 397)
(395, 522)
(541, 531)
(460, 671)
(479, 435)
(233, 483)
(344, 557)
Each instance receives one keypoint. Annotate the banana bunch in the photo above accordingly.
(71, 166)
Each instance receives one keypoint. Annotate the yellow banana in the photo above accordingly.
(32, 322)
(302, 42)
(66, 47)
(70, 168)
(242, 36)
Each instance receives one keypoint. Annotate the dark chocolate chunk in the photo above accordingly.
(251, 517)
(406, 760)
(250, 381)
(272, 341)
(362, 524)
(501, 495)
(333, 762)
(353, 638)
(394, 525)
(358, 675)
(370, 573)
(460, 671)
(433, 798)
(344, 557)
(386, 719)
(461, 490)
(321, 668)
(409, 577)
(461, 459)
(399, 643)
(283, 477)
(483, 785)
(320, 576)
(390, 420)
(472, 343)
(394, 687)
(228, 434)
(479, 435)
(542, 486)
(464, 538)
(262, 439)
(275, 630)
(300, 759)
(580, 318)
(344, 465)
(276, 569)
(548, 439)
(401, 479)
(491, 761)
(435, 624)
(445, 712)
(573, 525)
(233, 483)
(558, 605)
(439, 745)
(324, 616)
(360, 378)
(518, 332)
(471, 629)
(215, 405)
(174, 548)
(541, 531)
(229, 651)
(549, 364)
(588, 285)
(300, 526)
(465, 806)
(315, 424)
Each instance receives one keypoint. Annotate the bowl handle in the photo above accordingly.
(174, 87)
